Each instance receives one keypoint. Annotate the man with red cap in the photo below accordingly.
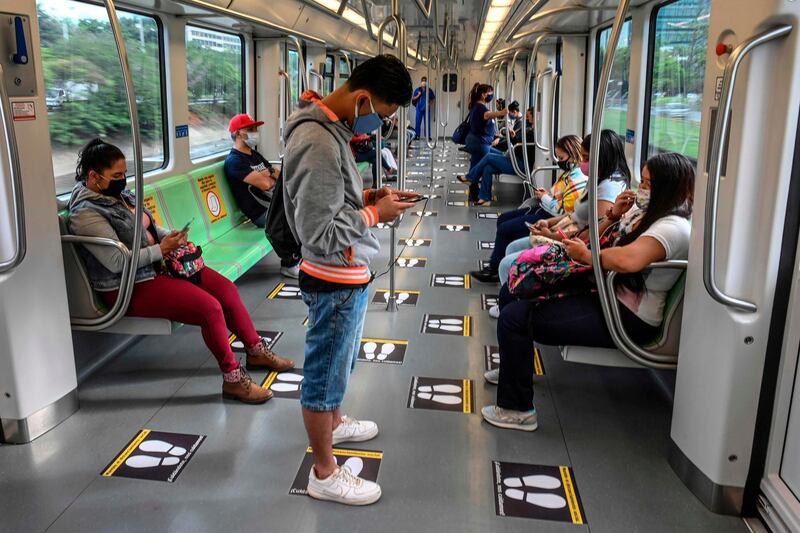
(251, 177)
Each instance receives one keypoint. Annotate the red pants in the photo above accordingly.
(214, 305)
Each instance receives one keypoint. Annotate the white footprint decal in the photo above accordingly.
(156, 446)
(287, 382)
(407, 263)
(354, 464)
(289, 292)
(369, 350)
(401, 297)
(548, 501)
(456, 281)
(414, 242)
(446, 324)
(444, 393)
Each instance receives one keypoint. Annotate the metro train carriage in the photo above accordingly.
(321, 265)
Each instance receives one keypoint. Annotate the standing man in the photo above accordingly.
(252, 178)
(330, 214)
(418, 99)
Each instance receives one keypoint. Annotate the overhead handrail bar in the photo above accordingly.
(529, 77)
(128, 276)
(720, 139)
(533, 17)
(12, 152)
(605, 289)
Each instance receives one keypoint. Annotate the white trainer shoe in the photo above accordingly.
(352, 430)
(492, 376)
(291, 272)
(508, 419)
(494, 311)
(343, 487)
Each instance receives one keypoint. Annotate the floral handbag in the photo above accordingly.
(185, 262)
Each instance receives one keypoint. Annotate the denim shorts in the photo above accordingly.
(333, 338)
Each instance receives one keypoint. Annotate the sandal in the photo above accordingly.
(463, 179)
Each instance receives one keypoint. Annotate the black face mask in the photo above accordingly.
(115, 187)
(566, 166)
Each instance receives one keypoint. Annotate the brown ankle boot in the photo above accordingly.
(245, 390)
(260, 357)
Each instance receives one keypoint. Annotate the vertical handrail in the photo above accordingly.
(446, 91)
(427, 118)
(510, 75)
(12, 152)
(529, 77)
(349, 61)
(720, 139)
(120, 306)
(317, 76)
(301, 60)
(287, 102)
(554, 133)
(538, 133)
(402, 141)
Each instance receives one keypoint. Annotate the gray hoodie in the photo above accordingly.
(323, 195)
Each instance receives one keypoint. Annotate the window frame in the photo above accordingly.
(329, 77)
(597, 66)
(648, 95)
(290, 47)
(242, 64)
(165, 102)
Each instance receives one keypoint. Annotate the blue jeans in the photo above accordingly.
(419, 118)
(333, 338)
(513, 251)
(510, 227)
(370, 157)
(495, 162)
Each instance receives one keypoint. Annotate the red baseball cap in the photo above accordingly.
(243, 120)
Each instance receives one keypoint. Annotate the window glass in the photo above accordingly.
(84, 88)
(344, 71)
(328, 75)
(216, 88)
(680, 35)
(293, 68)
(616, 114)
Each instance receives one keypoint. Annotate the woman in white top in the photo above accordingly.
(657, 229)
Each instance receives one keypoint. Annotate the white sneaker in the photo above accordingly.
(352, 430)
(291, 272)
(343, 487)
(492, 376)
(509, 419)
(494, 311)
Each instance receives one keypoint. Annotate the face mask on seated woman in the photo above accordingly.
(115, 187)
(643, 199)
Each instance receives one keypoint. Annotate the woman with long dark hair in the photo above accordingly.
(101, 206)
(654, 226)
(481, 127)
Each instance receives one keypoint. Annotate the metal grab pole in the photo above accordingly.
(554, 88)
(302, 62)
(427, 119)
(120, 307)
(539, 80)
(402, 140)
(529, 76)
(12, 152)
(446, 121)
(719, 140)
(510, 75)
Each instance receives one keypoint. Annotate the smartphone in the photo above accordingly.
(186, 227)
(529, 225)
(561, 232)
(414, 199)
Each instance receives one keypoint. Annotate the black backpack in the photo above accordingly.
(277, 227)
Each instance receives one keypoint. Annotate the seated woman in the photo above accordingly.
(561, 199)
(656, 229)
(614, 178)
(497, 163)
(101, 207)
(363, 147)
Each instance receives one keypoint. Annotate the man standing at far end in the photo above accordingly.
(421, 104)
(330, 214)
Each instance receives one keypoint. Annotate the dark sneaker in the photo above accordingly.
(485, 276)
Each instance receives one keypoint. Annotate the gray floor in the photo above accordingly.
(611, 426)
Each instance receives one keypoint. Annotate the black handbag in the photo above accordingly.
(461, 132)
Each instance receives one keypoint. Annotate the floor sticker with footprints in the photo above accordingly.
(485, 245)
(441, 394)
(411, 262)
(362, 463)
(459, 281)
(412, 242)
(537, 491)
(155, 456)
(271, 337)
(459, 325)
(402, 297)
(487, 215)
(488, 300)
(422, 214)
(457, 204)
(382, 351)
(454, 227)
(284, 291)
(285, 384)
(492, 359)
(483, 264)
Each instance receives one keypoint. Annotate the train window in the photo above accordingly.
(679, 33)
(616, 115)
(293, 69)
(328, 74)
(215, 77)
(84, 89)
(344, 70)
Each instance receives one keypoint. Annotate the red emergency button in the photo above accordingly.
(723, 49)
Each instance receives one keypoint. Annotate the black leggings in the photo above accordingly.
(574, 320)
